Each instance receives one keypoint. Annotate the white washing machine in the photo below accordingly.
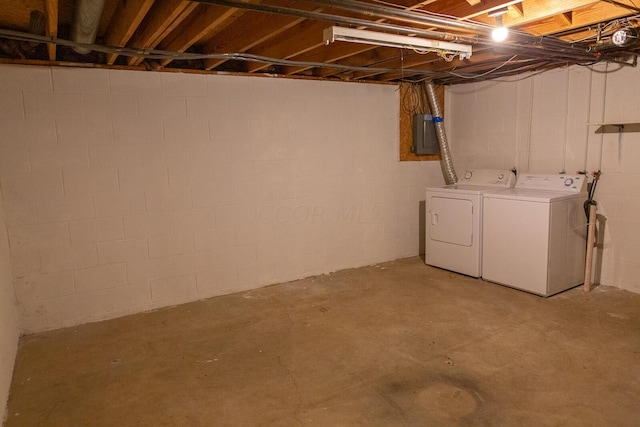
(535, 234)
(453, 238)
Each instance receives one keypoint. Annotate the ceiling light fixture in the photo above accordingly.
(352, 35)
(500, 32)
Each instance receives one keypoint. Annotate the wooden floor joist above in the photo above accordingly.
(285, 37)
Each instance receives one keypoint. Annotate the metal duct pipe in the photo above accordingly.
(450, 176)
(37, 22)
(86, 20)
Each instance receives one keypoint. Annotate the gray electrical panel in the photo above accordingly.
(424, 135)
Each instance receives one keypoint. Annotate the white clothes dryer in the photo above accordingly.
(535, 234)
(453, 238)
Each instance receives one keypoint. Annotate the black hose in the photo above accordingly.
(589, 202)
(587, 205)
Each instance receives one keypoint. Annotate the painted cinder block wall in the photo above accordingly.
(546, 124)
(126, 191)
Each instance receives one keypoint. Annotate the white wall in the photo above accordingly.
(8, 321)
(126, 191)
(547, 124)
(619, 189)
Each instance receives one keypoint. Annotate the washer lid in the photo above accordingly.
(540, 196)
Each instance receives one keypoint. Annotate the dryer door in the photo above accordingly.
(451, 221)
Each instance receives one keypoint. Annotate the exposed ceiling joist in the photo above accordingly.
(541, 9)
(51, 14)
(203, 23)
(285, 36)
(587, 16)
(128, 17)
(517, 9)
(252, 29)
(464, 11)
(564, 19)
(336, 53)
(299, 39)
(159, 24)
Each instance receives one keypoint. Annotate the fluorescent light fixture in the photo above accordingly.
(344, 34)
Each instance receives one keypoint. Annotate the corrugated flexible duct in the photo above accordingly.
(86, 20)
(450, 176)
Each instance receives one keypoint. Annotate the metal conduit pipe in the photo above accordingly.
(403, 15)
(390, 13)
(436, 21)
(338, 19)
(86, 20)
(540, 52)
(450, 176)
(163, 54)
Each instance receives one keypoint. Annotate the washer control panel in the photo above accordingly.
(562, 182)
(489, 177)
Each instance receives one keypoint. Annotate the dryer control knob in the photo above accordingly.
(568, 182)
(467, 174)
(501, 176)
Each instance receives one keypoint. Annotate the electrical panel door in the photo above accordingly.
(425, 140)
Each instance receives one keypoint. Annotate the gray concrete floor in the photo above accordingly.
(399, 343)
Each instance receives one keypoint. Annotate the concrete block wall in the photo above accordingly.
(9, 330)
(481, 137)
(547, 124)
(126, 191)
(619, 190)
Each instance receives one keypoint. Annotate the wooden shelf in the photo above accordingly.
(617, 127)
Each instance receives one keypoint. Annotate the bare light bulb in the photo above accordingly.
(500, 32)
